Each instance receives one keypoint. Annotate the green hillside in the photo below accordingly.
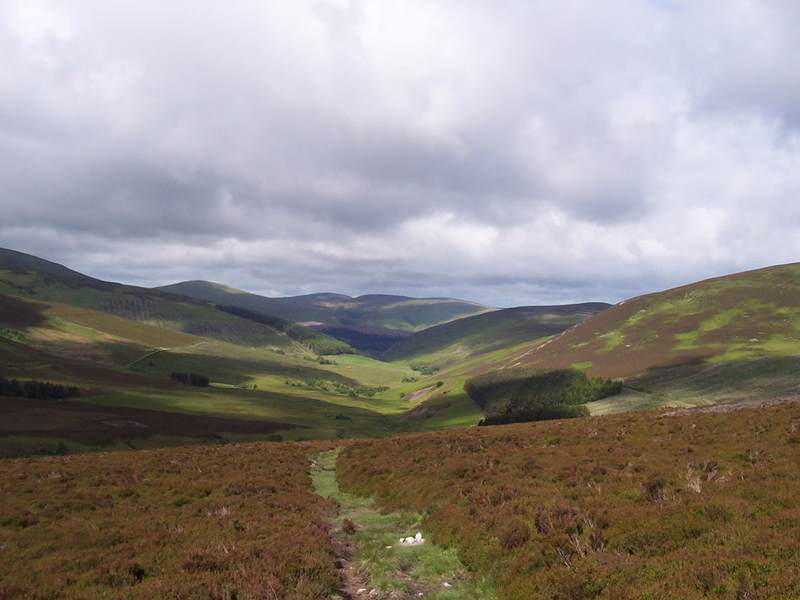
(120, 344)
(39, 279)
(314, 340)
(371, 323)
(735, 317)
(487, 332)
(729, 338)
(124, 367)
(716, 340)
(309, 308)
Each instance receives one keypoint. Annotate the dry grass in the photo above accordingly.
(237, 521)
(633, 506)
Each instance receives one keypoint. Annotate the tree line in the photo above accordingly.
(520, 395)
(36, 390)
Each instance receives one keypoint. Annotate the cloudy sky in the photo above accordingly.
(502, 151)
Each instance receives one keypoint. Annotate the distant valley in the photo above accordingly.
(370, 323)
(330, 366)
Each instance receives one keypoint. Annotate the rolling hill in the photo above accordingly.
(717, 340)
(370, 323)
(703, 343)
(735, 317)
(487, 332)
(39, 279)
(119, 344)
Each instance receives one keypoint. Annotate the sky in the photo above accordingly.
(507, 152)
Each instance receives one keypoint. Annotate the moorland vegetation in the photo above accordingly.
(637, 506)
(213, 522)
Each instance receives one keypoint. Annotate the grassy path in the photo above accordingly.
(158, 351)
(144, 356)
(373, 563)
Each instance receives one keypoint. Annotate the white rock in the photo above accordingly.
(412, 541)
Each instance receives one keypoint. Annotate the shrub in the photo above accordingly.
(654, 490)
(348, 526)
(190, 379)
(514, 536)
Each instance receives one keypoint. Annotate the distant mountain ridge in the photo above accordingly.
(371, 322)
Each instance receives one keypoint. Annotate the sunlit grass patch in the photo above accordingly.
(611, 340)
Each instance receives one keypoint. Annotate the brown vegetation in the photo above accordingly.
(237, 521)
(95, 424)
(635, 506)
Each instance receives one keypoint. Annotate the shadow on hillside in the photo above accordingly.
(97, 425)
(771, 376)
(18, 314)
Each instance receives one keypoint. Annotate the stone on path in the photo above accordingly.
(412, 541)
